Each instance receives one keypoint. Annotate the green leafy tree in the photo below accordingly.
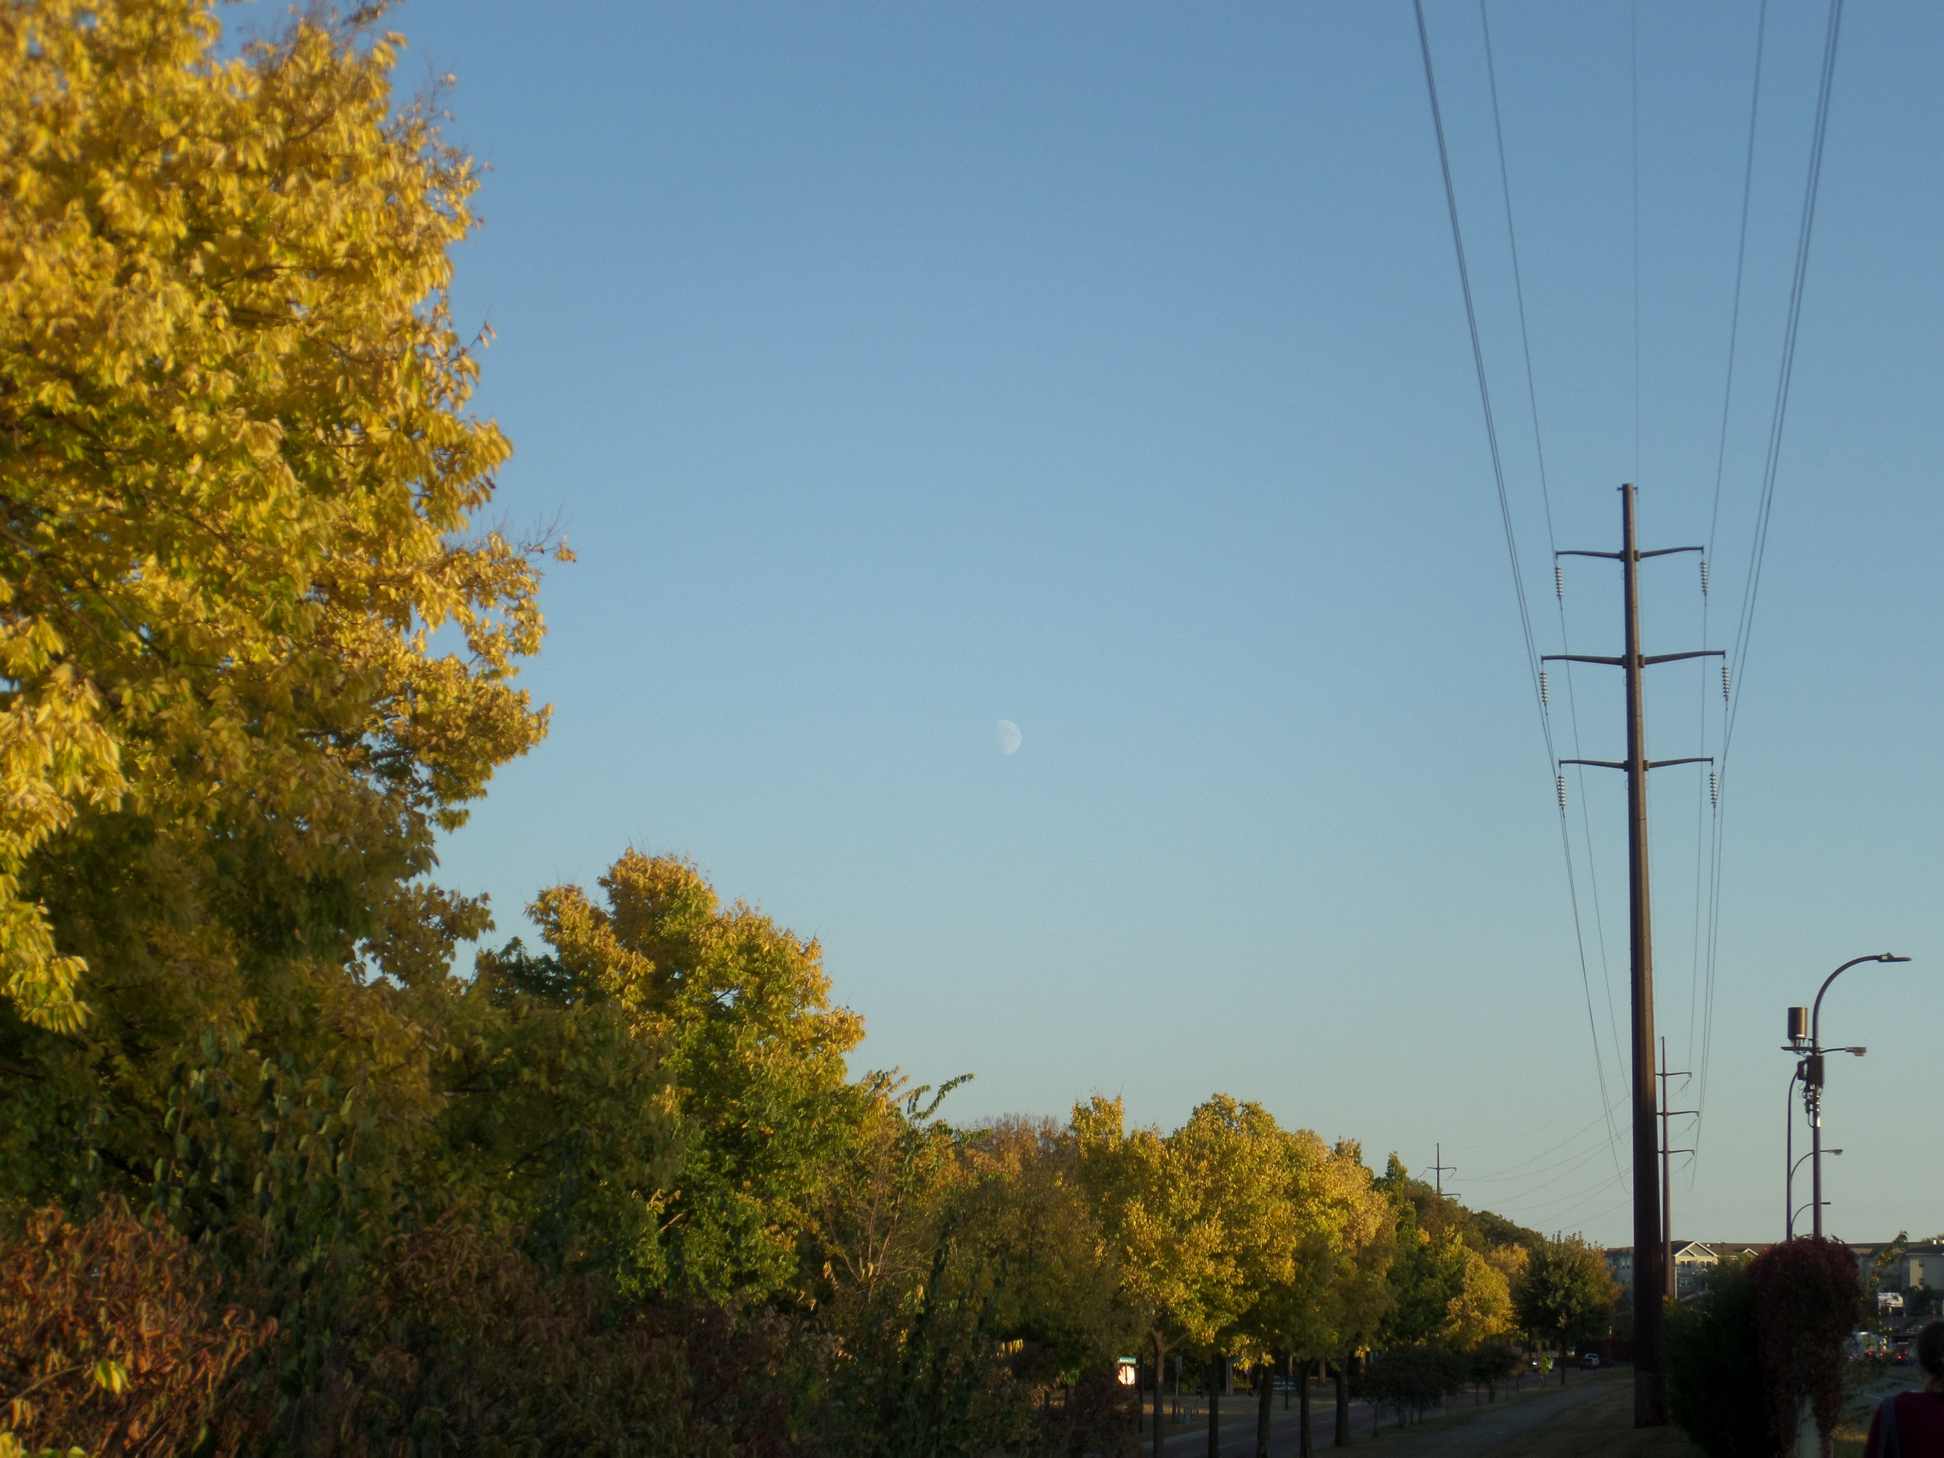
(1568, 1293)
(558, 1121)
(752, 1048)
(873, 1229)
(1028, 1221)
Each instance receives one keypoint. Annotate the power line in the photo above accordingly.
(1587, 1219)
(1751, 589)
(1546, 1177)
(1516, 1171)
(1552, 543)
(1505, 509)
(1610, 1182)
(1714, 520)
(1752, 586)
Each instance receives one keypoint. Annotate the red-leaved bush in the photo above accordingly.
(113, 1338)
(458, 1344)
(1807, 1294)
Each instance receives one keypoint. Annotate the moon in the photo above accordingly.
(1009, 737)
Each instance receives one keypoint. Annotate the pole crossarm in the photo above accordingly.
(1665, 552)
(1646, 662)
(1610, 556)
(1653, 658)
(1652, 764)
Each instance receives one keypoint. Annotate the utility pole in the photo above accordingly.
(1440, 1169)
(1650, 1374)
(1667, 1184)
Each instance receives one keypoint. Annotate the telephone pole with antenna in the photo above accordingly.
(1440, 1169)
(1667, 1184)
(1650, 1368)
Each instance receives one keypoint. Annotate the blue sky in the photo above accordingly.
(896, 370)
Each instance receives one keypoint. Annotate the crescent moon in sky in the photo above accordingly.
(1009, 737)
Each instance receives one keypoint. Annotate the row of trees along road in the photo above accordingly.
(277, 1172)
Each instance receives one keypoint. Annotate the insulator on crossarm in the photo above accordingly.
(1545, 688)
(1559, 582)
(1714, 788)
(1559, 789)
(1704, 576)
(1724, 683)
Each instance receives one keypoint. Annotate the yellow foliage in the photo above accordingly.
(740, 1009)
(1482, 1306)
(237, 585)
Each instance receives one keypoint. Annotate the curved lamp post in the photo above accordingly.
(1789, 1229)
(1812, 1081)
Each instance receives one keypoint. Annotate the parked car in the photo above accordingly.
(1590, 1361)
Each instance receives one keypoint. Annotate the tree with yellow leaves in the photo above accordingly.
(1195, 1221)
(1341, 1291)
(752, 1047)
(254, 651)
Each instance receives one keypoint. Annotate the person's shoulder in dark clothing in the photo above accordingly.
(1908, 1425)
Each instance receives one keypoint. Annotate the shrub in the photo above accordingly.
(1715, 1388)
(113, 1337)
(1409, 1380)
(462, 1345)
(1491, 1362)
(1807, 1297)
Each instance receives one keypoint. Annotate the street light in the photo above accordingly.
(1813, 1080)
(1798, 1024)
(1789, 1230)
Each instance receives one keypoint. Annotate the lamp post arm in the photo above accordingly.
(1815, 1015)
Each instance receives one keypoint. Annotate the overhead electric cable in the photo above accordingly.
(1513, 1171)
(1552, 543)
(1714, 520)
(1751, 589)
(1534, 1180)
(1505, 513)
(1590, 1192)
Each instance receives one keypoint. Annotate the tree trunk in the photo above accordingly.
(1343, 1402)
(1303, 1413)
(1215, 1406)
(1160, 1366)
(1265, 1413)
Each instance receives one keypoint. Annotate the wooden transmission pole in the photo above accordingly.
(1649, 1255)
(1667, 1183)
